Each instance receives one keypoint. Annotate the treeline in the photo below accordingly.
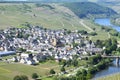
(84, 9)
(96, 63)
(109, 45)
(44, 5)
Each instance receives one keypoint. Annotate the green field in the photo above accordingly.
(13, 15)
(111, 77)
(8, 71)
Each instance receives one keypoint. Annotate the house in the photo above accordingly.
(27, 59)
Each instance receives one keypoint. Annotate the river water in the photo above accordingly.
(106, 22)
(112, 69)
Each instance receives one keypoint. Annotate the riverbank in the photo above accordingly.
(110, 77)
(107, 22)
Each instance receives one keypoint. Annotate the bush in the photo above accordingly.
(52, 71)
(62, 69)
(35, 76)
(93, 33)
(21, 77)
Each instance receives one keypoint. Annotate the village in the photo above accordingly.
(34, 44)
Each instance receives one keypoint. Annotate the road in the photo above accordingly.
(84, 25)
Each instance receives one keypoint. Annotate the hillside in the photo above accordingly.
(84, 9)
(109, 1)
(52, 16)
(13, 14)
(102, 1)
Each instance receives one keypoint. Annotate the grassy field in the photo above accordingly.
(111, 77)
(101, 34)
(58, 18)
(8, 71)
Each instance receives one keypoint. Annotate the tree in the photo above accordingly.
(21, 50)
(75, 63)
(35, 76)
(52, 71)
(78, 73)
(92, 70)
(90, 42)
(75, 44)
(84, 72)
(89, 76)
(23, 77)
(93, 33)
(94, 29)
(118, 49)
(69, 31)
(99, 43)
(20, 77)
(62, 69)
(17, 78)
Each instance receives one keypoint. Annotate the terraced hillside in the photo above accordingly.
(58, 17)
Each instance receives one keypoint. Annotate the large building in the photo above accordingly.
(4, 53)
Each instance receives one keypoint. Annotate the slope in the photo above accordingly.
(85, 9)
(57, 18)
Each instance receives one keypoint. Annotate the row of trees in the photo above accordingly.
(96, 63)
(24, 77)
(68, 63)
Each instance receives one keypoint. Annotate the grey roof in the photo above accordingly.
(7, 53)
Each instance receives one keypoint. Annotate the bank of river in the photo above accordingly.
(106, 22)
(112, 69)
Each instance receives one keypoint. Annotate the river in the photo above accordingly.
(112, 69)
(106, 22)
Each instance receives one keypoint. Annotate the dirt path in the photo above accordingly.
(62, 23)
(84, 25)
(108, 35)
